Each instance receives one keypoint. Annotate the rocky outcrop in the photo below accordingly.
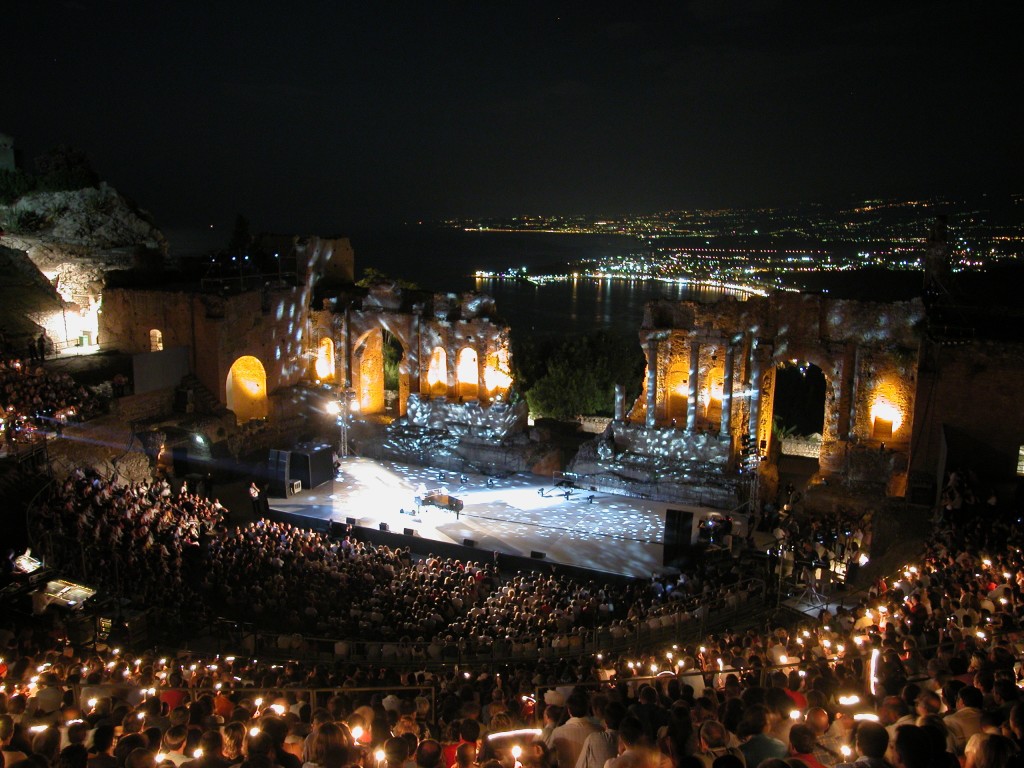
(95, 218)
(73, 238)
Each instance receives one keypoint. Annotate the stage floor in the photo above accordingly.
(515, 515)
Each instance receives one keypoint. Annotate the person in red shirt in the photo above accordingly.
(801, 745)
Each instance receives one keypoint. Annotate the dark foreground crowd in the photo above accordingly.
(923, 671)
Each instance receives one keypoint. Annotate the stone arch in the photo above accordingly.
(325, 365)
(497, 374)
(467, 374)
(380, 371)
(806, 361)
(156, 340)
(246, 389)
(437, 373)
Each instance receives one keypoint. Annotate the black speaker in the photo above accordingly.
(312, 465)
(678, 529)
(384, 527)
(277, 471)
(408, 532)
(469, 542)
(350, 521)
(537, 555)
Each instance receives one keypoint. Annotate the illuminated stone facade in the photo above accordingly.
(711, 380)
(453, 359)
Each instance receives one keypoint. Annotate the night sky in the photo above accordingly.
(320, 117)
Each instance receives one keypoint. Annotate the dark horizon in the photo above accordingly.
(325, 118)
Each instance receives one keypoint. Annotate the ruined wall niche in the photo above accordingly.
(437, 373)
(325, 363)
(467, 373)
(156, 340)
(246, 389)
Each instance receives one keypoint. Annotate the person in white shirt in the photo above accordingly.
(602, 746)
(568, 739)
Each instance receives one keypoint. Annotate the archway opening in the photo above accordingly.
(246, 389)
(467, 373)
(798, 420)
(325, 365)
(497, 374)
(437, 373)
(378, 363)
(156, 340)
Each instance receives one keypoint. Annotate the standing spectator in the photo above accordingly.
(568, 739)
(602, 746)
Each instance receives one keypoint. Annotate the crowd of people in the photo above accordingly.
(922, 671)
(293, 580)
(140, 539)
(32, 398)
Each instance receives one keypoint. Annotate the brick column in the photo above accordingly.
(725, 422)
(692, 384)
(755, 391)
(652, 380)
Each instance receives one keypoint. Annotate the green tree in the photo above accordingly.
(373, 276)
(578, 376)
(392, 358)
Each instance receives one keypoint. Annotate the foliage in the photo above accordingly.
(64, 168)
(567, 379)
(780, 431)
(392, 357)
(14, 184)
(372, 276)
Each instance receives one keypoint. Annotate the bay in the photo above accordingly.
(445, 260)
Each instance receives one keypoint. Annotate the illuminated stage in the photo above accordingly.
(516, 515)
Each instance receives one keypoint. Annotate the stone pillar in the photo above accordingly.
(348, 350)
(854, 378)
(692, 401)
(652, 380)
(620, 402)
(725, 423)
(755, 391)
(482, 395)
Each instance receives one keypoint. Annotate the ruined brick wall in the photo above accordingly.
(218, 329)
(972, 390)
